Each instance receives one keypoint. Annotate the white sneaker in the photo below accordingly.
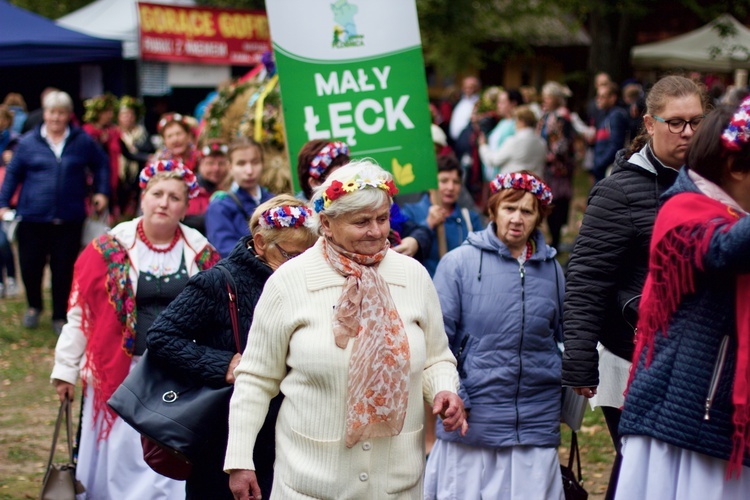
(11, 288)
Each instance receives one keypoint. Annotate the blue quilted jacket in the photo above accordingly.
(54, 189)
(668, 400)
(503, 320)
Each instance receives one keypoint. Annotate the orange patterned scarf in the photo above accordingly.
(378, 388)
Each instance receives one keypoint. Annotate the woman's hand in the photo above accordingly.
(64, 389)
(408, 246)
(232, 365)
(435, 216)
(450, 407)
(100, 202)
(244, 484)
(586, 392)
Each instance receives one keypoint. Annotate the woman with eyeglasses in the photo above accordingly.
(194, 334)
(610, 259)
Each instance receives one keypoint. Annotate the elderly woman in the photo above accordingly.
(99, 124)
(177, 133)
(194, 334)
(501, 296)
(556, 129)
(685, 420)
(609, 262)
(348, 332)
(53, 163)
(123, 280)
(319, 158)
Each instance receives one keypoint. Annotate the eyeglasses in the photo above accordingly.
(677, 125)
(285, 254)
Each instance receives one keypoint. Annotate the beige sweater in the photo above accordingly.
(291, 347)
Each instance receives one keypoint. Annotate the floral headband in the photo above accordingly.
(337, 189)
(215, 148)
(173, 117)
(286, 216)
(129, 102)
(526, 182)
(737, 133)
(325, 156)
(154, 168)
(96, 105)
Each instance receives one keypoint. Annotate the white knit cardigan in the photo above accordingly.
(291, 347)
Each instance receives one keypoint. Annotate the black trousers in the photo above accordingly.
(557, 219)
(58, 244)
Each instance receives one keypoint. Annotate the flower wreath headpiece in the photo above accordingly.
(173, 117)
(214, 147)
(96, 105)
(337, 189)
(286, 216)
(526, 182)
(737, 133)
(129, 102)
(325, 156)
(170, 166)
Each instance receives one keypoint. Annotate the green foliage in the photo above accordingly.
(52, 9)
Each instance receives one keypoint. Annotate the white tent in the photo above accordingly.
(113, 19)
(704, 49)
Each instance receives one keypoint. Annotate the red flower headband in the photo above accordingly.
(325, 157)
(526, 182)
(170, 166)
(737, 133)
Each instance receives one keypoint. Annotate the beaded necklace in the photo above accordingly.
(144, 239)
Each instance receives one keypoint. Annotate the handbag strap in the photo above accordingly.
(63, 413)
(575, 453)
(232, 294)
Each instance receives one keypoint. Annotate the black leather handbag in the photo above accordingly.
(571, 484)
(174, 414)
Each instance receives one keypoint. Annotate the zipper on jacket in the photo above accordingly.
(520, 346)
(718, 368)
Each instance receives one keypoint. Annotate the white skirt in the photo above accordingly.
(114, 468)
(653, 469)
(457, 471)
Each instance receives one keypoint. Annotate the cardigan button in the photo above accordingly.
(364, 476)
(366, 446)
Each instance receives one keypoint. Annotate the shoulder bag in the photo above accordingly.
(572, 484)
(174, 414)
(60, 479)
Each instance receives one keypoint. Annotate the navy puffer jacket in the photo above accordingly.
(507, 317)
(668, 400)
(54, 189)
(194, 335)
(609, 263)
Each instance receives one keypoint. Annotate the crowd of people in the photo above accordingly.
(397, 345)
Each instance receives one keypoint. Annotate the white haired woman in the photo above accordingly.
(348, 332)
(123, 280)
(52, 164)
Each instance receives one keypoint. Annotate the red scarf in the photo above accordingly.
(681, 237)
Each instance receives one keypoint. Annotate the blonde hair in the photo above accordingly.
(303, 235)
(165, 176)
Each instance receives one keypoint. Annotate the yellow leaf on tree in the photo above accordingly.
(402, 174)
